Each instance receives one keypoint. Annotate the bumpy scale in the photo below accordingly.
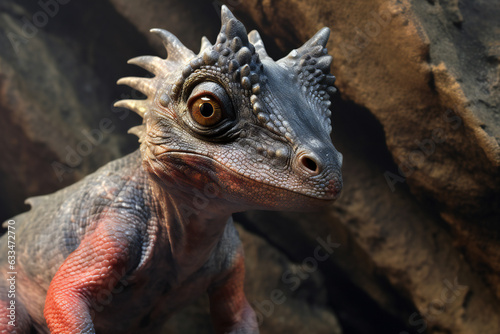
(223, 131)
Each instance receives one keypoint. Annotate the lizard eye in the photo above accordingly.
(206, 110)
(209, 109)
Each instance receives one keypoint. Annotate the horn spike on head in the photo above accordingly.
(205, 44)
(231, 28)
(320, 38)
(137, 106)
(151, 64)
(226, 15)
(323, 63)
(143, 85)
(139, 131)
(256, 40)
(175, 49)
(314, 47)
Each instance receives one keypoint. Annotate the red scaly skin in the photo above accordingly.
(88, 271)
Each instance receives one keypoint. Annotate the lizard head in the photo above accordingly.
(256, 130)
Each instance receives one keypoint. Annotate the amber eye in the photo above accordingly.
(206, 111)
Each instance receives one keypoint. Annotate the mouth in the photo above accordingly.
(202, 169)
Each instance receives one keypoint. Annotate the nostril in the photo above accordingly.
(309, 164)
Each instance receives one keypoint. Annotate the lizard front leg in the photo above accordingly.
(229, 308)
(90, 272)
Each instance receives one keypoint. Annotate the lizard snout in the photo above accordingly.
(310, 164)
(321, 166)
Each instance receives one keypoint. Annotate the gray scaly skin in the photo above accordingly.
(223, 131)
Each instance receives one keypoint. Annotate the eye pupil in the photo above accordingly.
(206, 109)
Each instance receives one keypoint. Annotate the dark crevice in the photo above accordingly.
(432, 82)
(348, 301)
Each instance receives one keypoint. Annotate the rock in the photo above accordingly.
(189, 21)
(193, 319)
(287, 297)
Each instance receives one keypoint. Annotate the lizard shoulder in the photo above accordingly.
(58, 222)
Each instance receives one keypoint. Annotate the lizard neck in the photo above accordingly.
(191, 222)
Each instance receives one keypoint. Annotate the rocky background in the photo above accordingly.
(412, 245)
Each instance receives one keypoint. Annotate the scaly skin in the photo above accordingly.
(147, 234)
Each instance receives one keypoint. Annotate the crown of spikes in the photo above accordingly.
(239, 56)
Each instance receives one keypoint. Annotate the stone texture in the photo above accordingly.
(191, 20)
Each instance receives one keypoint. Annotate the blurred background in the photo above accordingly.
(412, 245)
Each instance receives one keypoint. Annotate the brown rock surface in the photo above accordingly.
(187, 19)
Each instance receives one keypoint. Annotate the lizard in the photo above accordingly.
(225, 130)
